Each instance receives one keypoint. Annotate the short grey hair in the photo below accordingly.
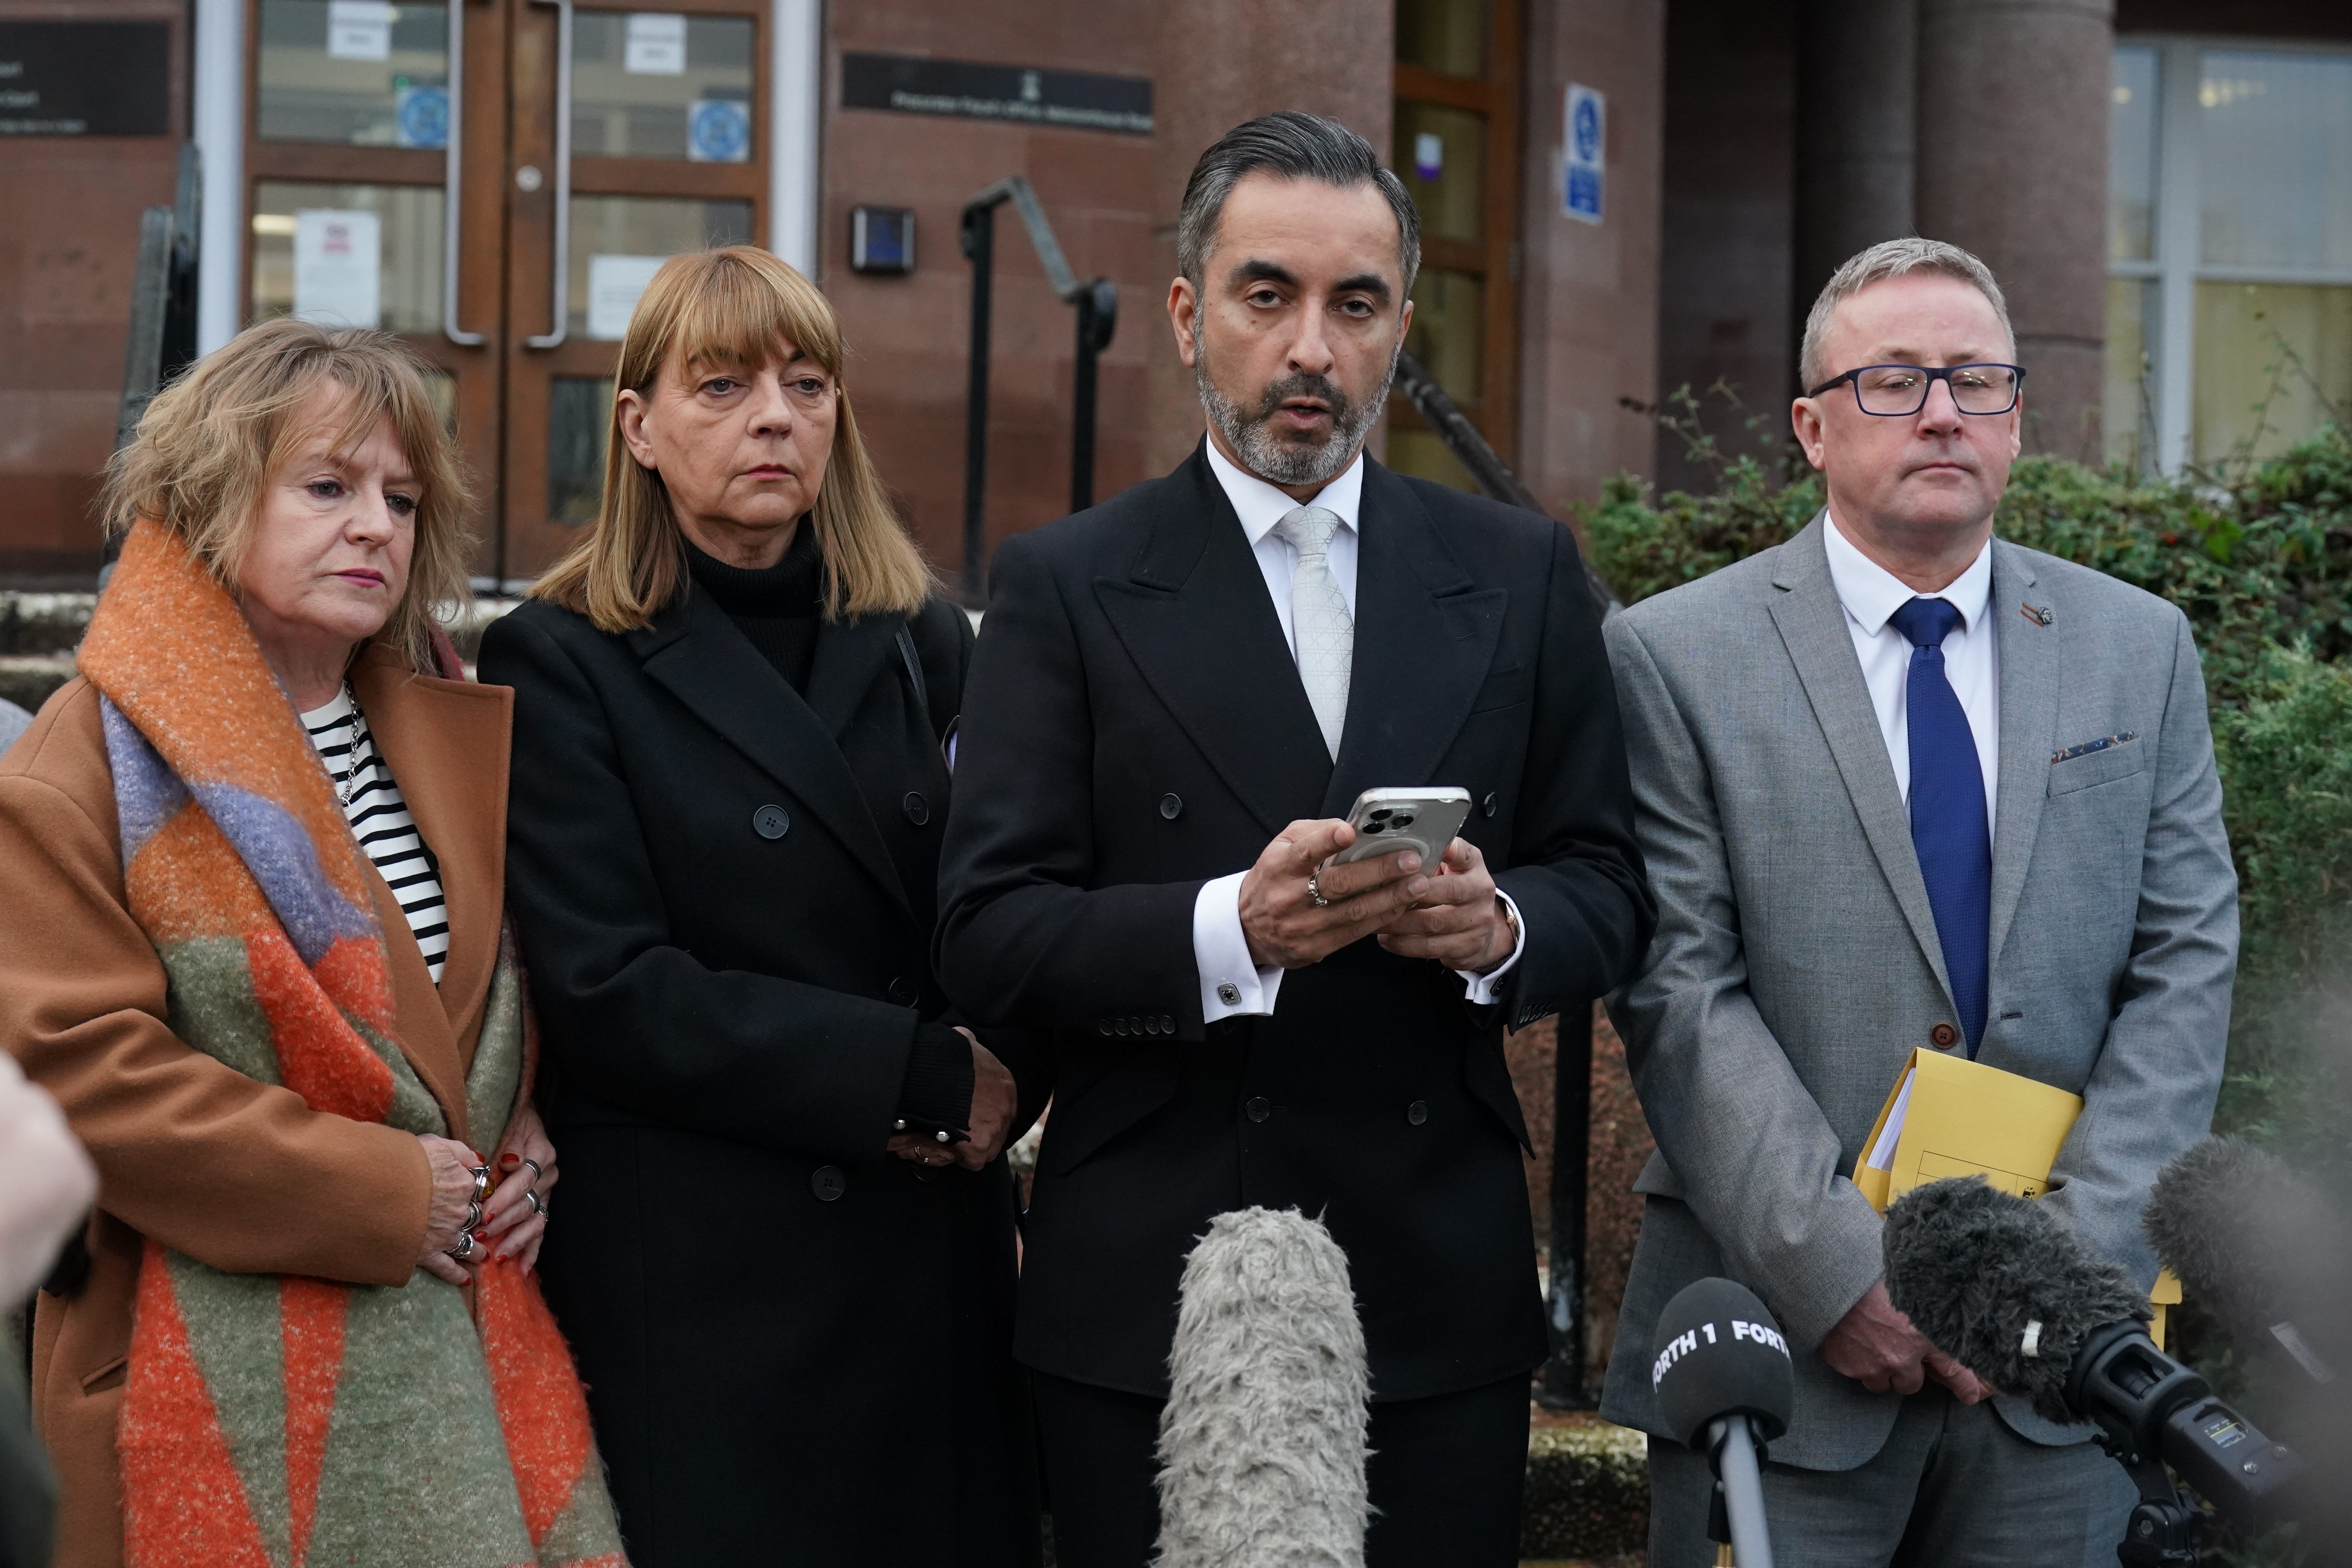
(1293, 145)
(1893, 258)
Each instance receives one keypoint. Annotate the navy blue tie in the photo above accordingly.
(1949, 828)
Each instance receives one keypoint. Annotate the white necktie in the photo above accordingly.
(1319, 621)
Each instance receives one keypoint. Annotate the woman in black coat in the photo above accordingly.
(787, 1258)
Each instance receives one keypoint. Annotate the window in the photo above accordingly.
(2229, 250)
(1456, 149)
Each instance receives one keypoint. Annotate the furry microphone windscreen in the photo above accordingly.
(1262, 1441)
(2002, 1286)
(2254, 1246)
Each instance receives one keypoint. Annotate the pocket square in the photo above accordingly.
(2088, 747)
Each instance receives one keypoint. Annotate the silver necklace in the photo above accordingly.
(348, 785)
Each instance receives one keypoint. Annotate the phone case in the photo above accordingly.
(1422, 820)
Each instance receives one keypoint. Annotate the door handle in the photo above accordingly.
(559, 284)
(452, 177)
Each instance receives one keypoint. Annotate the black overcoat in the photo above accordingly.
(1135, 726)
(797, 1347)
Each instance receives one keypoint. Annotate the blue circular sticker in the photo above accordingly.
(719, 130)
(424, 116)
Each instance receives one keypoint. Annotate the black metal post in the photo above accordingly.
(1098, 305)
(980, 245)
(1571, 1150)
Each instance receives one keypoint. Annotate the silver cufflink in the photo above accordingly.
(1229, 994)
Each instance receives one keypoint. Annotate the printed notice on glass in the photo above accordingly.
(615, 282)
(339, 268)
(1585, 136)
(359, 30)
(656, 44)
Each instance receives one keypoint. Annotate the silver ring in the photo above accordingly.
(536, 1174)
(465, 1248)
(473, 1214)
(481, 1183)
(1315, 889)
(536, 1207)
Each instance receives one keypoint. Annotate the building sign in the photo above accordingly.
(85, 79)
(1079, 99)
(1586, 144)
(339, 266)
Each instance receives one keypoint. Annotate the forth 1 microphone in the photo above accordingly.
(1723, 1383)
(2002, 1286)
(2262, 1252)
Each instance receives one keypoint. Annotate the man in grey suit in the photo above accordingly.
(1904, 785)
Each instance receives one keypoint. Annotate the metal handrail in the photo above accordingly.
(560, 284)
(453, 182)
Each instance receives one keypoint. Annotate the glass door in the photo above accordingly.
(494, 181)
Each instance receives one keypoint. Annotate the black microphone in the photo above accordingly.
(1722, 1381)
(2001, 1286)
(2260, 1251)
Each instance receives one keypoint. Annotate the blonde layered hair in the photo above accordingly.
(737, 306)
(205, 450)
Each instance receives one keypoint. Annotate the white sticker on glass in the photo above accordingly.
(359, 30)
(657, 44)
(339, 266)
(615, 282)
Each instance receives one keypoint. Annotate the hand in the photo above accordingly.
(512, 1220)
(46, 1184)
(1877, 1347)
(1459, 921)
(994, 1099)
(445, 1218)
(1287, 930)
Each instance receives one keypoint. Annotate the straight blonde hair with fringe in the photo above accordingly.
(734, 306)
(207, 446)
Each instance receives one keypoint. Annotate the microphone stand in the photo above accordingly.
(2160, 1531)
(1741, 1489)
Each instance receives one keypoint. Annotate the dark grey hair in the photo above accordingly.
(1893, 259)
(1293, 145)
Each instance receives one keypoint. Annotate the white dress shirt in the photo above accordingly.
(1220, 950)
(1871, 594)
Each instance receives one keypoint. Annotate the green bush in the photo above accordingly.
(2259, 557)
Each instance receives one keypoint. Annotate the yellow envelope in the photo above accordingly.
(1949, 1116)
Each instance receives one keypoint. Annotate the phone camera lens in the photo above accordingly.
(1381, 815)
(1402, 821)
(1375, 826)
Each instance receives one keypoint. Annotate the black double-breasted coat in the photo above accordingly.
(797, 1347)
(1135, 726)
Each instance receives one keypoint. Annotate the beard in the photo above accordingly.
(1282, 457)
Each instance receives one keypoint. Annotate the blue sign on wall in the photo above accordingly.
(719, 130)
(1584, 153)
(422, 114)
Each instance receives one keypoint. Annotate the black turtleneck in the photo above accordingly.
(779, 609)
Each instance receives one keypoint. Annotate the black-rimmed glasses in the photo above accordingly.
(1896, 391)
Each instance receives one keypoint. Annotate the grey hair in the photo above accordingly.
(1893, 259)
(1293, 145)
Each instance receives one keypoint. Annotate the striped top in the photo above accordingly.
(380, 820)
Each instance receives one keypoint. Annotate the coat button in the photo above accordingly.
(1102, 1027)
(1487, 805)
(903, 992)
(1171, 806)
(1167, 1025)
(1943, 1036)
(772, 822)
(1258, 1109)
(1121, 1026)
(917, 809)
(1417, 1112)
(827, 1182)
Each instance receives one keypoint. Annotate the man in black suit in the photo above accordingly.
(1175, 699)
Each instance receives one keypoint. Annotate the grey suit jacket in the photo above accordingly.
(1795, 963)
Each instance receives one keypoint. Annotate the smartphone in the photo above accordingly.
(1423, 820)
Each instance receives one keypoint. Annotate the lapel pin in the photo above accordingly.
(2038, 614)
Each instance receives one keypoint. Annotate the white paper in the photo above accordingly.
(1882, 1154)
(615, 282)
(359, 30)
(339, 266)
(657, 44)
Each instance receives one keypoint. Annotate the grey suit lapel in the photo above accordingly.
(2028, 650)
(1812, 627)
